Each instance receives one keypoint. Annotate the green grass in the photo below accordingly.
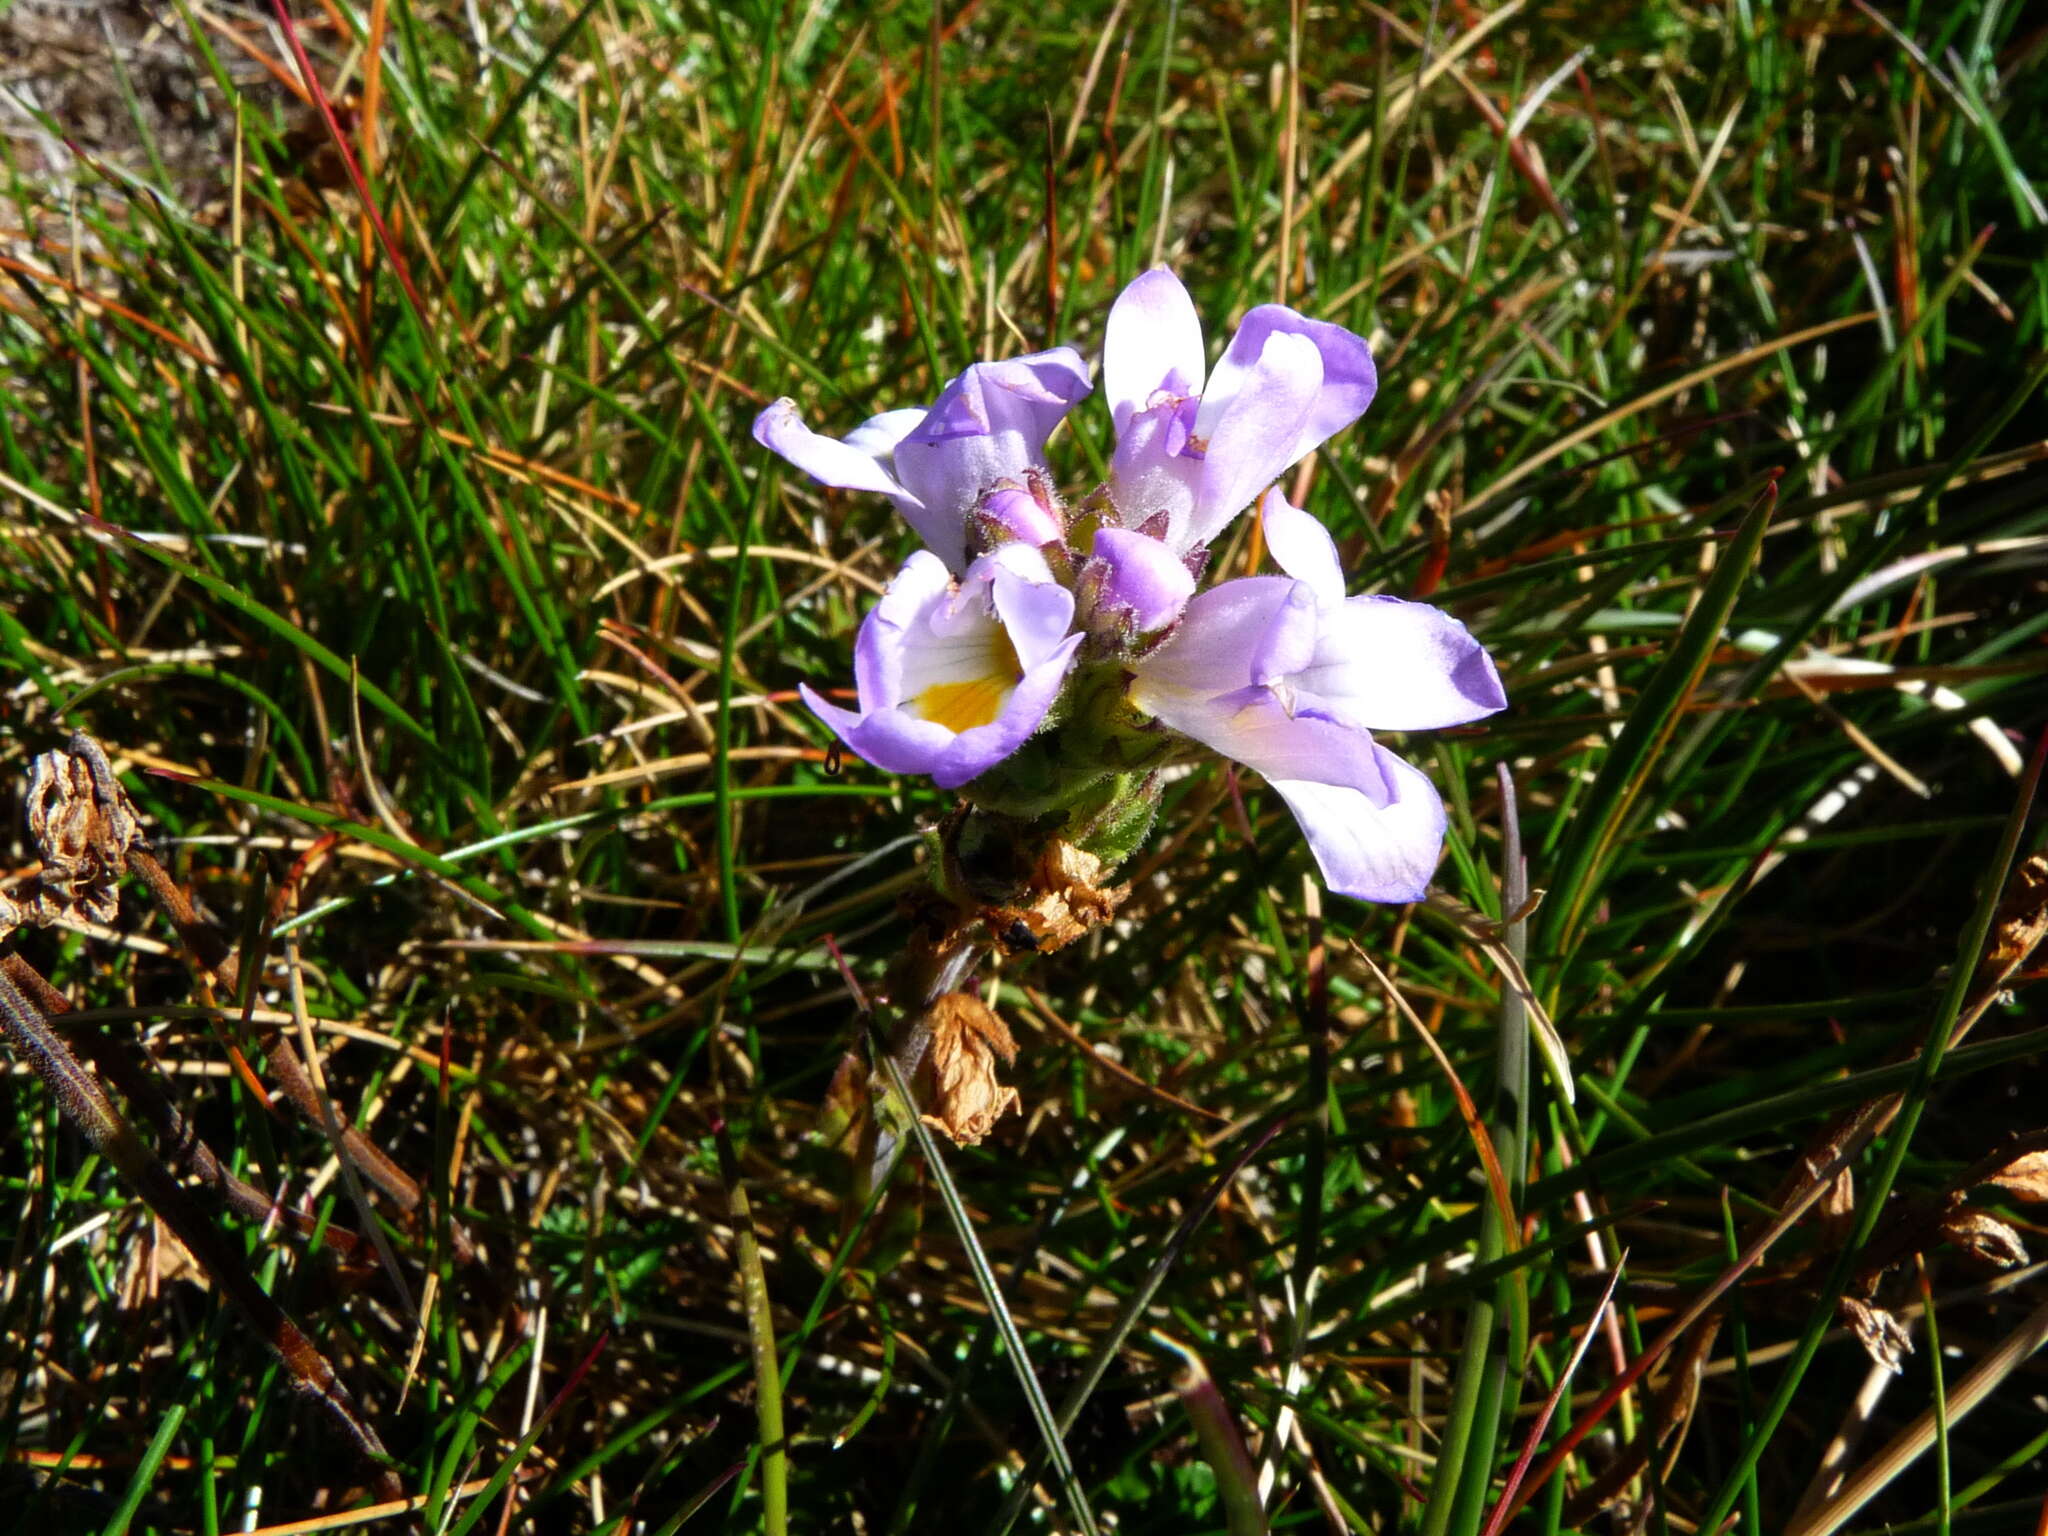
(427, 583)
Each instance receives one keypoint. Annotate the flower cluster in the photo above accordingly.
(1049, 659)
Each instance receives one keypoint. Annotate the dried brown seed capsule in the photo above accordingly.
(83, 825)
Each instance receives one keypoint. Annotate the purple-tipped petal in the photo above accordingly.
(892, 740)
(1374, 852)
(1029, 395)
(1153, 335)
(846, 465)
(1349, 379)
(1393, 665)
(990, 424)
(1252, 439)
(1302, 547)
(1142, 579)
(975, 751)
(896, 741)
(843, 722)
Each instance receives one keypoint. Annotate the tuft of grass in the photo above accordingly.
(375, 483)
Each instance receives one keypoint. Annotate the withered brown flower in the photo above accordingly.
(2025, 1177)
(2022, 921)
(1983, 1236)
(966, 1039)
(1882, 1336)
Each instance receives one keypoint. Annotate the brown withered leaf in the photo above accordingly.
(1836, 1212)
(1840, 1200)
(2025, 1177)
(2022, 920)
(83, 825)
(967, 1037)
(1983, 1236)
(1882, 1336)
(1062, 900)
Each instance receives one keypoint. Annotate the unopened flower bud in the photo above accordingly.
(1008, 514)
(1138, 583)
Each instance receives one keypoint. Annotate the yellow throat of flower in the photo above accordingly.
(960, 706)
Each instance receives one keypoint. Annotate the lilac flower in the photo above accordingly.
(953, 678)
(973, 649)
(987, 430)
(1289, 677)
(1193, 448)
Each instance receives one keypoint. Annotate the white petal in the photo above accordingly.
(1211, 650)
(1251, 439)
(878, 435)
(906, 606)
(1302, 547)
(1348, 377)
(1036, 614)
(1153, 333)
(1374, 852)
(1151, 474)
(981, 747)
(1252, 728)
(1390, 665)
(826, 459)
